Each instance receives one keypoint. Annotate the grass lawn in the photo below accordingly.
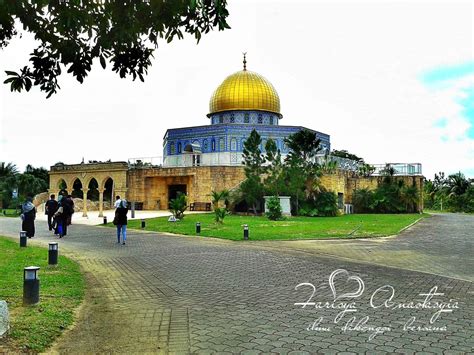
(34, 328)
(260, 228)
(10, 212)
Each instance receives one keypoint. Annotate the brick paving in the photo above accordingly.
(433, 245)
(171, 294)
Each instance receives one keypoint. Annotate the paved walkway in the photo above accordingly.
(93, 218)
(442, 245)
(171, 294)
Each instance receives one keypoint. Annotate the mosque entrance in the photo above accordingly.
(174, 189)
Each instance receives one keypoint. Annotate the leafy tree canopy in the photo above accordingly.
(347, 155)
(72, 33)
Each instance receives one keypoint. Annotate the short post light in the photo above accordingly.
(53, 253)
(246, 232)
(143, 223)
(105, 219)
(31, 285)
(23, 239)
(198, 227)
(133, 209)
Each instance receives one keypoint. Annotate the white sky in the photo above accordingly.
(351, 69)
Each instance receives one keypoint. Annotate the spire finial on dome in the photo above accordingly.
(245, 61)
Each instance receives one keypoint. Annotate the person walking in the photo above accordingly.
(120, 219)
(28, 216)
(60, 217)
(69, 209)
(50, 209)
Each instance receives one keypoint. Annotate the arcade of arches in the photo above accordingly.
(97, 181)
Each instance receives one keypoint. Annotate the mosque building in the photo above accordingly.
(200, 159)
(242, 102)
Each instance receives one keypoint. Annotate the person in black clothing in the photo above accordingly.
(28, 216)
(120, 219)
(51, 207)
(60, 217)
(69, 209)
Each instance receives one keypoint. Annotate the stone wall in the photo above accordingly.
(151, 184)
(346, 182)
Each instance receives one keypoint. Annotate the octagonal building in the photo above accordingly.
(242, 102)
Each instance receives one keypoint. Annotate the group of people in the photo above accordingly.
(59, 213)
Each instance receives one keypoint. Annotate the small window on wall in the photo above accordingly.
(233, 144)
(205, 145)
(179, 148)
(213, 145)
(172, 148)
(221, 144)
(260, 118)
(232, 118)
(271, 120)
(247, 118)
(221, 119)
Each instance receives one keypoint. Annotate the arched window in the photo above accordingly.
(233, 144)
(221, 119)
(221, 144)
(213, 145)
(179, 148)
(232, 118)
(205, 145)
(271, 119)
(247, 118)
(172, 148)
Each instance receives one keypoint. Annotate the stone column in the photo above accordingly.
(84, 199)
(101, 202)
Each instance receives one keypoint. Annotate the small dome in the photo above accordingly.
(245, 90)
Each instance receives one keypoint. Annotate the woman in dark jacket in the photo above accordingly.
(60, 218)
(120, 220)
(28, 216)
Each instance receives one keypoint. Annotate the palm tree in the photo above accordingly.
(457, 184)
(218, 196)
(362, 200)
(7, 170)
(409, 195)
(8, 180)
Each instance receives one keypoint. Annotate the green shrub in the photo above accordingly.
(363, 200)
(219, 214)
(178, 205)
(274, 212)
(308, 211)
(326, 204)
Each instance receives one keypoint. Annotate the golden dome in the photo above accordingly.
(245, 90)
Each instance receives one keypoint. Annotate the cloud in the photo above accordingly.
(453, 88)
(448, 73)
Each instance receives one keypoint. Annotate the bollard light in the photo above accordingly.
(143, 224)
(133, 209)
(53, 254)
(105, 219)
(246, 232)
(23, 239)
(31, 285)
(198, 227)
